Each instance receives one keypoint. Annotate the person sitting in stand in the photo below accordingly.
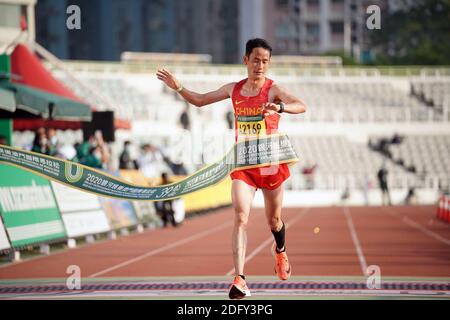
(165, 208)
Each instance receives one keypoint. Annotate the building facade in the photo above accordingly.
(219, 28)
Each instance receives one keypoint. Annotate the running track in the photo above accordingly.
(405, 242)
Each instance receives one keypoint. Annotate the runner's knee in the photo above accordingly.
(275, 223)
(241, 220)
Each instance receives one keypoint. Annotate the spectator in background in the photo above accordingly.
(150, 161)
(229, 117)
(82, 150)
(93, 151)
(309, 171)
(411, 197)
(177, 167)
(40, 143)
(165, 208)
(185, 120)
(383, 147)
(94, 158)
(345, 195)
(125, 160)
(397, 139)
(104, 150)
(383, 182)
(52, 142)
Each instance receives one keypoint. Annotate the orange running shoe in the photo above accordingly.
(282, 266)
(239, 289)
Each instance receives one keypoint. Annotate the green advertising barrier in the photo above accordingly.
(28, 208)
(253, 153)
(4, 241)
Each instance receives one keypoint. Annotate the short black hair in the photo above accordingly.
(257, 43)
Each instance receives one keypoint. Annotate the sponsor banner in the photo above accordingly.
(81, 211)
(120, 213)
(28, 208)
(144, 210)
(70, 199)
(251, 153)
(82, 223)
(4, 242)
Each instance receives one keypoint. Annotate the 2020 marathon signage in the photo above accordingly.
(251, 153)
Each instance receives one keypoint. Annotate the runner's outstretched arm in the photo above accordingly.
(292, 104)
(197, 99)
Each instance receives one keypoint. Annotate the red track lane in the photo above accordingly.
(426, 217)
(329, 252)
(100, 256)
(202, 247)
(398, 248)
(211, 255)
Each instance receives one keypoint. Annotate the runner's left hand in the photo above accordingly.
(269, 108)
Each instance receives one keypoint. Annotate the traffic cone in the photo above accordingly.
(447, 210)
(440, 208)
(444, 211)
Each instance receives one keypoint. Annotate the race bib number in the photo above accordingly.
(251, 126)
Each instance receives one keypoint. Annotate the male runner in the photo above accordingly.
(253, 96)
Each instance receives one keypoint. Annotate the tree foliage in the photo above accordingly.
(417, 34)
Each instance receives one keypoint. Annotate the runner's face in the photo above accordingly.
(257, 63)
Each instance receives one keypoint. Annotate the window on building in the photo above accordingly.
(313, 31)
(337, 5)
(313, 5)
(282, 30)
(313, 28)
(282, 3)
(337, 27)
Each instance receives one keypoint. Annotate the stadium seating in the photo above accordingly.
(434, 92)
(346, 101)
(331, 96)
(428, 154)
(342, 163)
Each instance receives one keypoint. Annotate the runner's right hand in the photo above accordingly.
(168, 78)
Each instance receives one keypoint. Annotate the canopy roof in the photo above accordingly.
(41, 103)
(47, 97)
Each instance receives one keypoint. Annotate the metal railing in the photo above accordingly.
(335, 181)
(237, 69)
(376, 115)
(101, 102)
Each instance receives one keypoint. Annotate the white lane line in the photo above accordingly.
(269, 240)
(162, 249)
(419, 227)
(356, 243)
(432, 234)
